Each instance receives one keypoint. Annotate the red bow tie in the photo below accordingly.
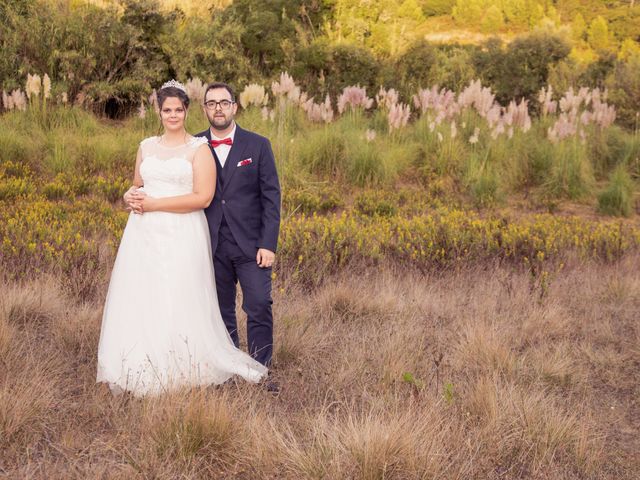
(224, 141)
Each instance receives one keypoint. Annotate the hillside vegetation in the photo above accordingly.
(108, 55)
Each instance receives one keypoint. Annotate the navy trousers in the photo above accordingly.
(233, 266)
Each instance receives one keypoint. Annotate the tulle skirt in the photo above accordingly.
(161, 326)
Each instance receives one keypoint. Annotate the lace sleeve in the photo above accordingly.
(146, 143)
(147, 140)
(197, 141)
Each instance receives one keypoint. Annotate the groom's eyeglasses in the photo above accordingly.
(224, 104)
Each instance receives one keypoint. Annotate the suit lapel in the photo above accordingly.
(235, 154)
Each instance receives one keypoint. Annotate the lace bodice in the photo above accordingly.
(167, 171)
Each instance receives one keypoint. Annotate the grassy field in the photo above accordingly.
(454, 298)
(478, 373)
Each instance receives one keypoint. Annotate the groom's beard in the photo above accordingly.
(220, 123)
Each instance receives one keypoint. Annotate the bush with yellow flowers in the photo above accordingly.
(312, 246)
(74, 240)
(78, 239)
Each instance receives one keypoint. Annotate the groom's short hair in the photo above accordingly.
(215, 85)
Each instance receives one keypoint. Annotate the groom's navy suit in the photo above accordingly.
(244, 216)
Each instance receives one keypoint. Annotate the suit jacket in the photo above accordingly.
(247, 192)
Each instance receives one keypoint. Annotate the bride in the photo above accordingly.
(161, 326)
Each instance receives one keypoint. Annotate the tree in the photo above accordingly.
(493, 20)
(208, 49)
(453, 68)
(323, 68)
(597, 72)
(624, 92)
(273, 28)
(412, 70)
(522, 69)
(629, 49)
(351, 65)
(387, 28)
(578, 28)
(436, 7)
(598, 34)
(468, 11)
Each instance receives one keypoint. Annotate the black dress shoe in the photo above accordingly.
(272, 386)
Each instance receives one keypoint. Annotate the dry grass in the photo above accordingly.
(395, 375)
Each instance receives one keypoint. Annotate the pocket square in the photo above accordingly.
(244, 162)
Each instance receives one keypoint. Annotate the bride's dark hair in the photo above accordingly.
(169, 92)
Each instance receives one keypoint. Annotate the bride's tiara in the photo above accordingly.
(175, 84)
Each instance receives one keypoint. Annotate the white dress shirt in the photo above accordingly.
(222, 151)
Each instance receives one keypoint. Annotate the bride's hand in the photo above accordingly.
(128, 197)
(133, 198)
(144, 202)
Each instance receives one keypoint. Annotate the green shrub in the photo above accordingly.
(322, 68)
(522, 68)
(453, 68)
(598, 34)
(310, 67)
(631, 156)
(371, 203)
(14, 188)
(59, 157)
(437, 7)
(439, 152)
(597, 72)
(482, 180)
(67, 186)
(207, 47)
(310, 201)
(571, 174)
(624, 92)
(565, 74)
(112, 189)
(22, 149)
(323, 152)
(15, 169)
(100, 155)
(55, 38)
(617, 199)
(365, 163)
(267, 33)
(539, 160)
(610, 148)
(57, 190)
(468, 11)
(493, 20)
(412, 70)
(350, 65)
(73, 119)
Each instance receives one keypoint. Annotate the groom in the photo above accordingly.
(244, 220)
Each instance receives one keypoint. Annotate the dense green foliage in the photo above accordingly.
(522, 68)
(107, 55)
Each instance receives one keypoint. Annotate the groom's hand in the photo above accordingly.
(265, 258)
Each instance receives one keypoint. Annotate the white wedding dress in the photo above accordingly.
(161, 326)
